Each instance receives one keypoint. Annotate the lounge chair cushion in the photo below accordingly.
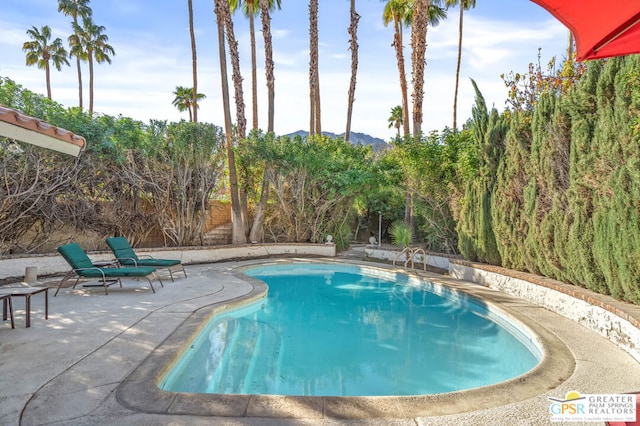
(126, 256)
(161, 263)
(75, 256)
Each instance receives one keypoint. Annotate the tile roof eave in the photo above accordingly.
(16, 118)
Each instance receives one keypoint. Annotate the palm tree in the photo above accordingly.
(250, 8)
(425, 12)
(401, 236)
(464, 5)
(396, 117)
(75, 8)
(91, 37)
(265, 7)
(258, 217)
(241, 120)
(184, 101)
(77, 44)
(353, 32)
(400, 12)
(223, 14)
(41, 53)
(234, 55)
(194, 65)
(314, 78)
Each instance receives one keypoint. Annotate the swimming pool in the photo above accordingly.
(344, 330)
(232, 289)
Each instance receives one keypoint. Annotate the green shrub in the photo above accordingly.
(401, 234)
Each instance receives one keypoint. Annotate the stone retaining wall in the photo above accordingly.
(617, 321)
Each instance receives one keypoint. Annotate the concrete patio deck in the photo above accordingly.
(69, 369)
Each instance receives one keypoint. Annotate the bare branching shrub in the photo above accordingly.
(178, 178)
(305, 208)
(33, 181)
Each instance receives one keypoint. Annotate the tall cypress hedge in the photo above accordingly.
(475, 226)
(510, 225)
(557, 190)
(617, 196)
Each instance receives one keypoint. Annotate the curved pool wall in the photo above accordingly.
(140, 391)
(448, 341)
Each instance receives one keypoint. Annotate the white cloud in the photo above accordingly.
(290, 58)
(279, 34)
(11, 35)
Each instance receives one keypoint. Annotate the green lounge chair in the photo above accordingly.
(83, 267)
(125, 255)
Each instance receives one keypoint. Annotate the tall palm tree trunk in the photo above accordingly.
(268, 59)
(258, 217)
(353, 32)
(397, 43)
(317, 106)
(234, 55)
(313, 68)
(79, 83)
(47, 76)
(455, 94)
(90, 83)
(238, 229)
(254, 71)
(194, 64)
(418, 51)
(241, 120)
(312, 111)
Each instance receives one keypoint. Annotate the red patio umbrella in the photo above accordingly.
(601, 29)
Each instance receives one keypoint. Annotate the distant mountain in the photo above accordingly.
(356, 138)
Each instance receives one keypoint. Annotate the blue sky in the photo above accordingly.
(153, 56)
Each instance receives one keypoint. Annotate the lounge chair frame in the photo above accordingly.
(7, 306)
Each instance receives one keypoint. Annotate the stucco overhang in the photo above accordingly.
(18, 126)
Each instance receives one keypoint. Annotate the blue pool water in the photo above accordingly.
(340, 330)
